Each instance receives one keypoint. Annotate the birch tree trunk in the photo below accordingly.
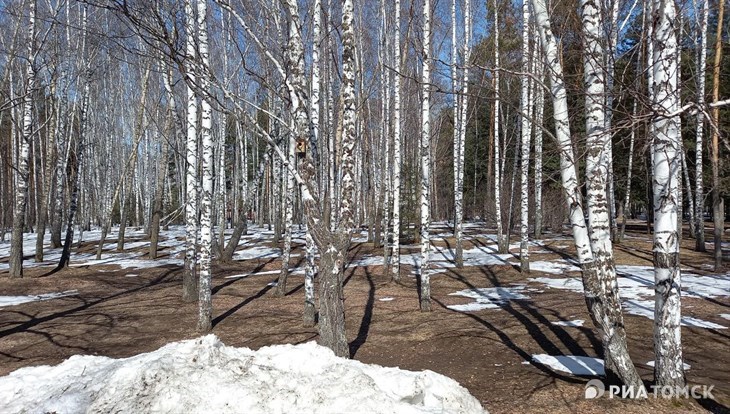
(190, 277)
(423, 270)
(666, 164)
(699, 135)
(539, 116)
(612, 335)
(395, 256)
(459, 197)
(502, 244)
(310, 311)
(205, 304)
(525, 132)
(21, 186)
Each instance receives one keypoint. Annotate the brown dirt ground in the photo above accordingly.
(485, 351)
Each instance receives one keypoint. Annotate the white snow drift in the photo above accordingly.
(205, 376)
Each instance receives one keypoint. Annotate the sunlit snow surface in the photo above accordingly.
(205, 376)
(576, 365)
(17, 300)
(488, 298)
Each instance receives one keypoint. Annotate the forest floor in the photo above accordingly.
(120, 307)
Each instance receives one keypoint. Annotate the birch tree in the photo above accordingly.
(190, 277)
(525, 132)
(699, 132)
(21, 192)
(395, 256)
(463, 108)
(666, 163)
(425, 149)
(502, 243)
(205, 305)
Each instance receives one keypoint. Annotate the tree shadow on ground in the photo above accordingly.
(367, 317)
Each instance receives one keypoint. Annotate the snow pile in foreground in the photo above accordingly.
(204, 375)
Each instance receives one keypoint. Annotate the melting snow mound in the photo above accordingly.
(203, 375)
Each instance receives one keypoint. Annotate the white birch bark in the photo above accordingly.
(21, 185)
(395, 256)
(699, 133)
(425, 146)
(501, 239)
(190, 276)
(459, 193)
(525, 132)
(205, 304)
(666, 163)
(539, 116)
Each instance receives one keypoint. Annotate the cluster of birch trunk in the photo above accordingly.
(331, 115)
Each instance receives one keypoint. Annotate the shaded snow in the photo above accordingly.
(17, 300)
(576, 365)
(205, 376)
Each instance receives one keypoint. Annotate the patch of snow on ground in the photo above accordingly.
(636, 284)
(203, 376)
(557, 268)
(258, 252)
(573, 323)
(725, 316)
(646, 308)
(17, 300)
(576, 365)
(386, 299)
(685, 365)
(487, 298)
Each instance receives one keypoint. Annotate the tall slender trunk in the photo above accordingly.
(459, 195)
(157, 209)
(205, 304)
(21, 186)
(502, 244)
(539, 116)
(425, 146)
(310, 311)
(190, 276)
(395, 257)
(525, 132)
(717, 211)
(666, 141)
(699, 136)
(76, 165)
